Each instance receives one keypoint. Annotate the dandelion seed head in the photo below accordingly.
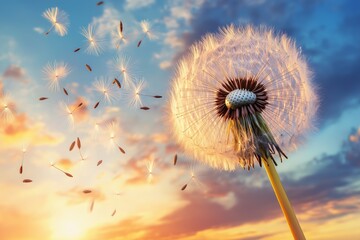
(240, 96)
(93, 41)
(58, 19)
(54, 73)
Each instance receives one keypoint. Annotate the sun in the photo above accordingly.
(68, 229)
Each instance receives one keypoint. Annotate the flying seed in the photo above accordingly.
(27, 181)
(43, 98)
(78, 143)
(96, 105)
(88, 67)
(72, 146)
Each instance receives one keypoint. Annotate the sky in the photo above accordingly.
(119, 181)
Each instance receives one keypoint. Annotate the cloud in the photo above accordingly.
(65, 164)
(16, 73)
(238, 198)
(137, 4)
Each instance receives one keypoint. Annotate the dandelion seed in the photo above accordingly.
(7, 108)
(121, 149)
(66, 173)
(70, 111)
(150, 169)
(27, 181)
(113, 129)
(103, 86)
(117, 83)
(54, 73)
(88, 67)
(118, 37)
(43, 98)
(59, 20)
(184, 187)
(125, 69)
(113, 213)
(100, 3)
(77, 49)
(240, 97)
(96, 104)
(93, 42)
(145, 108)
(86, 191)
(146, 29)
(99, 162)
(139, 43)
(92, 205)
(72, 146)
(134, 96)
(22, 160)
(78, 143)
(66, 92)
(175, 159)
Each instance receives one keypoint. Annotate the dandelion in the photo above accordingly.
(146, 29)
(103, 86)
(93, 42)
(118, 37)
(54, 73)
(123, 67)
(240, 97)
(7, 108)
(59, 21)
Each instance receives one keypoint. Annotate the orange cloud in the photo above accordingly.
(65, 164)
(15, 72)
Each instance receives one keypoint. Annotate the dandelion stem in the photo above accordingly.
(283, 200)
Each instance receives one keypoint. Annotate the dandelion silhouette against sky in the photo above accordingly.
(105, 79)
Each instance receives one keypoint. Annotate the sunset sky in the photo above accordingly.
(137, 195)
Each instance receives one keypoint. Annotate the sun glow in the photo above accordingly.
(68, 229)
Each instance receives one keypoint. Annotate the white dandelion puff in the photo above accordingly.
(59, 20)
(240, 97)
(54, 73)
(124, 68)
(93, 41)
(104, 87)
(233, 83)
